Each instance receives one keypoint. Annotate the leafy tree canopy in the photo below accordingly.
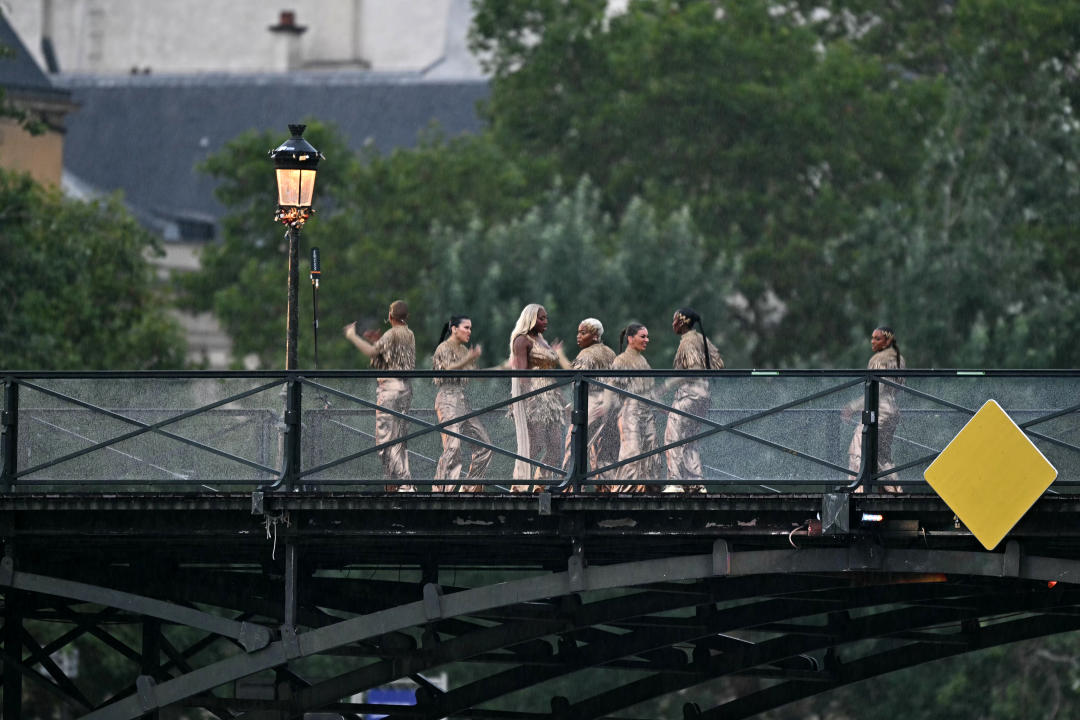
(578, 262)
(374, 216)
(806, 144)
(774, 134)
(78, 289)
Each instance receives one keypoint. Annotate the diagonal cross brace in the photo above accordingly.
(476, 600)
(252, 636)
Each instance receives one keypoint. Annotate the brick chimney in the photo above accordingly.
(287, 43)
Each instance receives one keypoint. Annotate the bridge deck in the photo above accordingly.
(237, 526)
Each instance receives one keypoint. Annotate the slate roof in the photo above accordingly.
(144, 134)
(20, 75)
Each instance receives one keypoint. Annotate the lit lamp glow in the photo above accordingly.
(295, 162)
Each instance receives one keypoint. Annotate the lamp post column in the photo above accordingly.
(295, 166)
(293, 315)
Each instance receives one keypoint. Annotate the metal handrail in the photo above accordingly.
(16, 472)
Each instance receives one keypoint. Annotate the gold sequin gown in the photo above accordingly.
(395, 350)
(602, 428)
(888, 417)
(691, 396)
(450, 402)
(544, 418)
(637, 428)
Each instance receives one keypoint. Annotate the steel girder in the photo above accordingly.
(783, 605)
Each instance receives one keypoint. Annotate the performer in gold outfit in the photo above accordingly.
(886, 357)
(602, 431)
(637, 429)
(393, 350)
(695, 352)
(539, 420)
(453, 353)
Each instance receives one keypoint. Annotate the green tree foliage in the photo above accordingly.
(773, 133)
(980, 264)
(571, 257)
(78, 289)
(1032, 679)
(374, 216)
(806, 142)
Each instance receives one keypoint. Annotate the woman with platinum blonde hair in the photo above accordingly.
(538, 420)
(601, 430)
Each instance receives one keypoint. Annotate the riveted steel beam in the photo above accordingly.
(475, 600)
(250, 635)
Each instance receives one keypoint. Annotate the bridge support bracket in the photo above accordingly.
(7, 571)
(721, 557)
(254, 637)
(144, 685)
(433, 601)
(1010, 561)
(575, 567)
(290, 642)
(836, 513)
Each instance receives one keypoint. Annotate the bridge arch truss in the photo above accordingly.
(555, 631)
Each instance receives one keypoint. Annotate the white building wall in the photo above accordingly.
(192, 36)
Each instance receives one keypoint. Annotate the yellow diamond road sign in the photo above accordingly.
(990, 474)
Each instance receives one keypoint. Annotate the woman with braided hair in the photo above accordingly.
(637, 428)
(695, 352)
(886, 357)
(453, 353)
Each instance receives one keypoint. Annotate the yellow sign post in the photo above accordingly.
(990, 474)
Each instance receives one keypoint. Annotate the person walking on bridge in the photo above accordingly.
(393, 350)
(637, 428)
(603, 443)
(886, 357)
(695, 352)
(452, 354)
(540, 419)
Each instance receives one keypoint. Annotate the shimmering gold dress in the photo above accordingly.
(450, 402)
(637, 428)
(692, 396)
(544, 417)
(602, 430)
(888, 417)
(395, 350)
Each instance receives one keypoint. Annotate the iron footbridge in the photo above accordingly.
(225, 543)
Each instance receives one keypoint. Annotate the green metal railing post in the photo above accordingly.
(9, 423)
(293, 405)
(869, 435)
(579, 434)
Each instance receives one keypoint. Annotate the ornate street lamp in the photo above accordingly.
(295, 162)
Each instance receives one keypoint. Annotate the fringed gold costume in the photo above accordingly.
(888, 417)
(602, 430)
(395, 350)
(637, 428)
(692, 396)
(450, 402)
(544, 416)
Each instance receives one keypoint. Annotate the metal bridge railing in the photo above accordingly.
(748, 431)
